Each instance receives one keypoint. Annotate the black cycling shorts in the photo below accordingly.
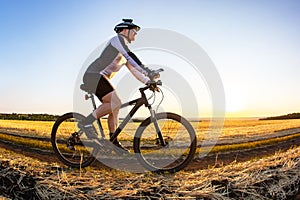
(99, 84)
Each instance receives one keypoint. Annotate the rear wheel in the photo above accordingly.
(180, 143)
(69, 142)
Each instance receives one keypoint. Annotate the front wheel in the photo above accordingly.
(179, 138)
(68, 141)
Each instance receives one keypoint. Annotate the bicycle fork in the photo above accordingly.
(159, 136)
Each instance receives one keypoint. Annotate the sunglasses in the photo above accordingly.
(135, 31)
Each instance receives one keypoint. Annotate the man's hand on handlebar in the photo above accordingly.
(154, 74)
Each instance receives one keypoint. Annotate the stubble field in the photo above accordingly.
(275, 176)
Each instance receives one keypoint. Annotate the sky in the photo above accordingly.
(254, 44)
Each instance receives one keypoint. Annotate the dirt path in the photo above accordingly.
(243, 155)
(219, 159)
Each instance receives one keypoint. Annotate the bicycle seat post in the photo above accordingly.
(93, 101)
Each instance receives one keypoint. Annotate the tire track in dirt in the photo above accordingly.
(220, 159)
(213, 159)
(221, 142)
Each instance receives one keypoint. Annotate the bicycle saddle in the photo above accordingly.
(85, 88)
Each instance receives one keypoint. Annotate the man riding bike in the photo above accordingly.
(97, 77)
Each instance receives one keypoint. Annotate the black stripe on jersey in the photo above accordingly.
(132, 55)
(106, 57)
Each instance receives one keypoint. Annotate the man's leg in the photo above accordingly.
(113, 117)
(114, 101)
(110, 104)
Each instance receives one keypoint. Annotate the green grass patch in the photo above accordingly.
(26, 142)
(216, 149)
(248, 145)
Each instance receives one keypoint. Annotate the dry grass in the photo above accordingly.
(27, 142)
(248, 128)
(276, 177)
(227, 142)
(232, 130)
(248, 145)
(41, 128)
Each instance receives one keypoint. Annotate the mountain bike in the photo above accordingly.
(163, 142)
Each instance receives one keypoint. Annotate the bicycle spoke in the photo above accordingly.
(180, 145)
(67, 141)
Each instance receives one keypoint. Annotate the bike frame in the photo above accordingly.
(137, 104)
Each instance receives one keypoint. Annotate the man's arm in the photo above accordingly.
(119, 43)
(137, 74)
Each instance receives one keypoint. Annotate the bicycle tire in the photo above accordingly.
(176, 155)
(61, 133)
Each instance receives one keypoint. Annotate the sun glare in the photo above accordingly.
(235, 106)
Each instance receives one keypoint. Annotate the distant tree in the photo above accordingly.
(31, 117)
(288, 116)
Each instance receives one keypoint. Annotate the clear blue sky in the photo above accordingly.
(254, 44)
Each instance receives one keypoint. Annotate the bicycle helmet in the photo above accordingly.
(127, 23)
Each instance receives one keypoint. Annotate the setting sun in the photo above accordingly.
(235, 103)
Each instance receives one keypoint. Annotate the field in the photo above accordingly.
(241, 166)
(275, 177)
(232, 129)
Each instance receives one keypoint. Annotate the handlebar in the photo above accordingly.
(154, 83)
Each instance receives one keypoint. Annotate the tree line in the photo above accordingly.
(288, 116)
(31, 117)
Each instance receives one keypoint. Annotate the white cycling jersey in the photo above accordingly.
(115, 55)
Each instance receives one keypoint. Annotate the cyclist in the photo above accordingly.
(97, 77)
